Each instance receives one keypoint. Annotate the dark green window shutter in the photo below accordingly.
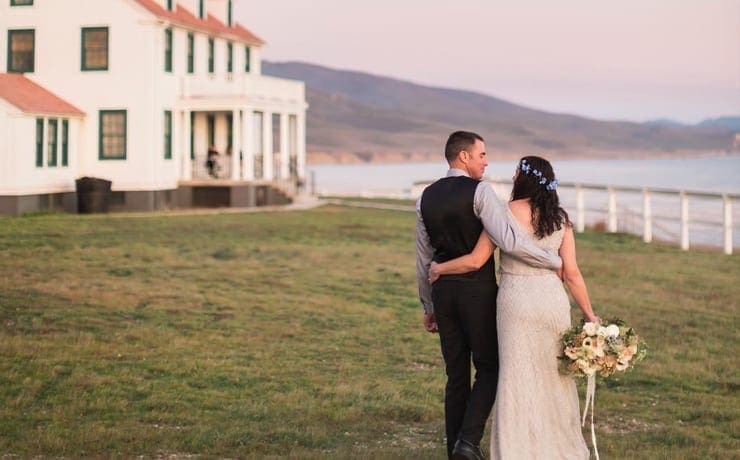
(168, 50)
(39, 142)
(65, 142)
(167, 134)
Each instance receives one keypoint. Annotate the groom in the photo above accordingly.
(451, 214)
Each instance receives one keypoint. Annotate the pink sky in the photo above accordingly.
(627, 59)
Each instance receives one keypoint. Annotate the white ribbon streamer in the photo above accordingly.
(590, 395)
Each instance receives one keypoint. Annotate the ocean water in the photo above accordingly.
(709, 175)
(715, 174)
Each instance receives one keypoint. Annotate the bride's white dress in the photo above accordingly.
(536, 411)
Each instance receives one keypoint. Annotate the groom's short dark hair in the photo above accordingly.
(458, 141)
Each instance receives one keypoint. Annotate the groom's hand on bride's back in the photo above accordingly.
(430, 323)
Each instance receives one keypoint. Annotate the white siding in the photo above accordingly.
(136, 82)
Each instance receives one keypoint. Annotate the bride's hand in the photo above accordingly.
(433, 273)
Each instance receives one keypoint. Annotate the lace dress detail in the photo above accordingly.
(536, 411)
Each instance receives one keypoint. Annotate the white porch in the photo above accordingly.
(256, 124)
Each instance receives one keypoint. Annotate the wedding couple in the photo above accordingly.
(511, 331)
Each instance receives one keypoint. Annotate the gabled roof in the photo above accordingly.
(209, 25)
(29, 97)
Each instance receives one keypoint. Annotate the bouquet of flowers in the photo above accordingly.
(592, 349)
(603, 349)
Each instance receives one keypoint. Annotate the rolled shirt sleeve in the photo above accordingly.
(424, 254)
(492, 213)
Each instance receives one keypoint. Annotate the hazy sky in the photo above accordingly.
(626, 59)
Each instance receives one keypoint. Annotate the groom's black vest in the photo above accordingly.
(453, 228)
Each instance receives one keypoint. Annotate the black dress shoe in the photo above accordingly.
(464, 450)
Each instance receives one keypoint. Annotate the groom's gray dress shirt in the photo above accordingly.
(492, 213)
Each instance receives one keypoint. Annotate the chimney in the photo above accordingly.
(222, 10)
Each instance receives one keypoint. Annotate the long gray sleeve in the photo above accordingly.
(424, 254)
(492, 214)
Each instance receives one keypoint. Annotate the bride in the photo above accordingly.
(536, 411)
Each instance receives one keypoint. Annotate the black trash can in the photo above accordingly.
(93, 195)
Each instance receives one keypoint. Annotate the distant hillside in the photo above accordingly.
(732, 123)
(356, 116)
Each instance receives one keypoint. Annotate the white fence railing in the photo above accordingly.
(670, 215)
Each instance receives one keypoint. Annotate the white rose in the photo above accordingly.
(590, 328)
(612, 330)
(601, 331)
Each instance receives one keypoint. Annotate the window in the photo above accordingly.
(247, 54)
(170, 5)
(167, 134)
(230, 131)
(211, 120)
(229, 57)
(228, 14)
(112, 135)
(211, 63)
(94, 48)
(51, 152)
(21, 55)
(201, 10)
(39, 142)
(168, 50)
(191, 53)
(21, 2)
(65, 142)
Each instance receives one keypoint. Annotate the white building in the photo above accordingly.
(136, 92)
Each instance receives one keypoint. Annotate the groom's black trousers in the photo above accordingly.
(465, 311)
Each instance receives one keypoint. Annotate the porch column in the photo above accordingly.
(284, 146)
(236, 172)
(301, 144)
(186, 157)
(267, 146)
(247, 142)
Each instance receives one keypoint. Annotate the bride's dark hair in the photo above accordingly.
(547, 215)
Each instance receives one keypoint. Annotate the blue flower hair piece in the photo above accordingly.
(526, 168)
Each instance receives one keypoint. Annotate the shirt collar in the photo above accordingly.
(454, 172)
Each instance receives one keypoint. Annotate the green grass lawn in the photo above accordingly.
(299, 335)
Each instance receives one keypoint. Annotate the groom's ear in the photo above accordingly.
(463, 156)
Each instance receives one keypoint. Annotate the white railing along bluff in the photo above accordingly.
(632, 209)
